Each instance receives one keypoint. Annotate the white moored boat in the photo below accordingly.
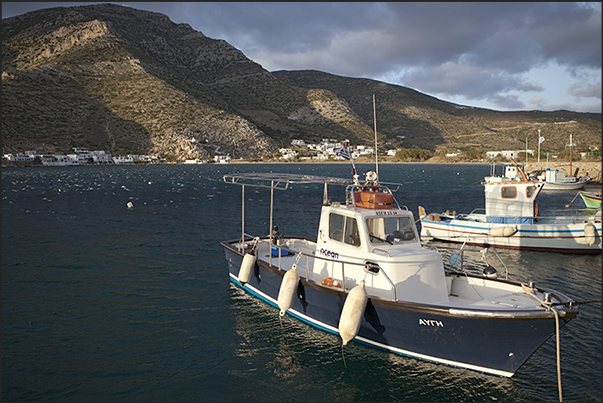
(368, 278)
(555, 179)
(513, 219)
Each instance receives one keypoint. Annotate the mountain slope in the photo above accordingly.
(428, 122)
(130, 81)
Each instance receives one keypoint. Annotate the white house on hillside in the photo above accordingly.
(507, 154)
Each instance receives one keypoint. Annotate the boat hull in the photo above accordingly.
(482, 341)
(548, 234)
(570, 185)
(591, 200)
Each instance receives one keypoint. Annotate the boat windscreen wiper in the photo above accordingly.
(380, 239)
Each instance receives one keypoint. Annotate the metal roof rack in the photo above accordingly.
(280, 181)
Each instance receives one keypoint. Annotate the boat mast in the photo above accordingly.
(375, 124)
(570, 146)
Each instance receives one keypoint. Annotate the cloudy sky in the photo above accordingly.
(496, 55)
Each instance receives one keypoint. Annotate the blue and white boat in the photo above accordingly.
(368, 278)
(512, 219)
(555, 179)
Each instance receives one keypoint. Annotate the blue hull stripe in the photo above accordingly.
(458, 226)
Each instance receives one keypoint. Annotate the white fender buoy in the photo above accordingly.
(246, 268)
(590, 234)
(287, 291)
(503, 231)
(351, 314)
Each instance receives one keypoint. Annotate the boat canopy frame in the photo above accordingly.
(281, 181)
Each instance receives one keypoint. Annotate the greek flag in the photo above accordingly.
(343, 152)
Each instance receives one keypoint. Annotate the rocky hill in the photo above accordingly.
(430, 123)
(129, 81)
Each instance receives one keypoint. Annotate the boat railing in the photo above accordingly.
(478, 210)
(369, 267)
(455, 261)
(246, 243)
(351, 189)
(578, 215)
(456, 257)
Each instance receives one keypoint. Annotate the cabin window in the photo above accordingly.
(509, 192)
(390, 229)
(343, 229)
(530, 191)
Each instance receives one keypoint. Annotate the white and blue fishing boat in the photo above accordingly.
(512, 219)
(555, 179)
(368, 278)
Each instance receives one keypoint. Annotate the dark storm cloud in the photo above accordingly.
(475, 51)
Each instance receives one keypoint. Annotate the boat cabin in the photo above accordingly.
(372, 230)
(512, 199)
(510, 172)
(512, 196)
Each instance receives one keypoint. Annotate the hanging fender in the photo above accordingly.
(246, 268)
(287, 291)
(503, 231)
(590, 234)
(352, 312)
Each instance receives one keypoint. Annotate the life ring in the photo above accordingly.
(371, 176)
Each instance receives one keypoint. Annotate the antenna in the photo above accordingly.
(375, 123)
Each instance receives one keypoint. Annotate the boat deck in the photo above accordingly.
(464, 292)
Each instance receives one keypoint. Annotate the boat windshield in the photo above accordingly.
(390, 229)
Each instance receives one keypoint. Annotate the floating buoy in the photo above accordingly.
(129, 204)
(351, 314)
(287, 291)
(503, 231)
(590, 234)
(246, 268)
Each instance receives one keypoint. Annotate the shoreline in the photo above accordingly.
(592, 168)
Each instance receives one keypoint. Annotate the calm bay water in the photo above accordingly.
(105, 303)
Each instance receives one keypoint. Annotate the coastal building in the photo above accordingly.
(507, 154)
(222, 159)
(287, 153)
(20, 157)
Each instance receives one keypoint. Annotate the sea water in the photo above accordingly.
(105, 302)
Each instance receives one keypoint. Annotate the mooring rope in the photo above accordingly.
(548, 305)
(558, 354)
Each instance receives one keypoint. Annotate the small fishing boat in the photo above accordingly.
(591, 199)
(512, 219)
(555, 179)
(367, 277)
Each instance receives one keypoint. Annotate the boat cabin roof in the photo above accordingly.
(369, 211)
